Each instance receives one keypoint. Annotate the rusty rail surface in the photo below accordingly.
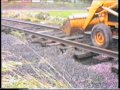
(31, 23)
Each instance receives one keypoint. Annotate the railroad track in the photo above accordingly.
(53, 33)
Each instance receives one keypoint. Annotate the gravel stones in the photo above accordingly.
(51, 60)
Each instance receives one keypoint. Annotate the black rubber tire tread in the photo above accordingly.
(107, 33)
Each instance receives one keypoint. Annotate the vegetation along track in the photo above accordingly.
(55, 34)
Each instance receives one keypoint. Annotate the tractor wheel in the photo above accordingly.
(101, 35)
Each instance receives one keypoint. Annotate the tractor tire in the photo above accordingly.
(101, 36)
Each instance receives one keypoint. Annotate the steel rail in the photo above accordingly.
(26, 22)
(72, 43)
(46, 26)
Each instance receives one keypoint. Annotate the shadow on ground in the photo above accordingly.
(90, 61)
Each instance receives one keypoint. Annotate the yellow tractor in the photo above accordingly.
(101, 20)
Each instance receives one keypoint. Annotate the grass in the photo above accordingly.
(18, 34)
(65, 14)
(25, 14)
(10, 65)
(15, 80)
(19, 82)
(48, 80)
(50, 17)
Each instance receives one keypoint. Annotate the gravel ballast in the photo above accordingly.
(77, 74)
